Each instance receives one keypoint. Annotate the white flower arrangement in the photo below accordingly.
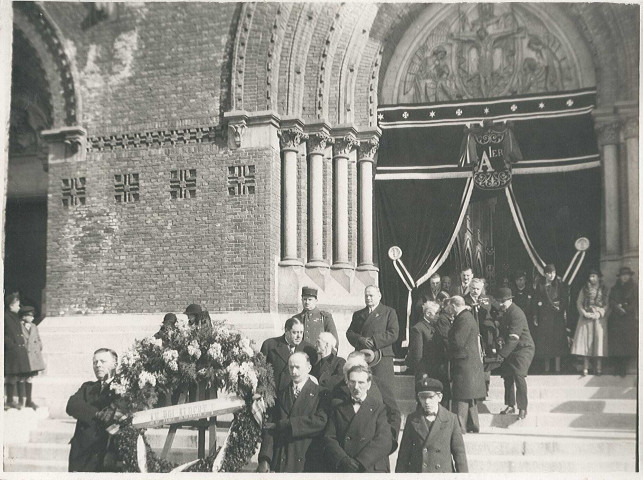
(215, 351)
(247, 372)
(194, 350)
(146, 378)
(233, 373)
(245, 346)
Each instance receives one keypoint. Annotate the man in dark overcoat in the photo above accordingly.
(91, 407)
(329, 368)
(296, 420)
(378, 392)
(279, 349)
(623, 323)
(462, 288)
(376, 328)
(358, 436)
(523, 294)
(517, 353)
(314, 319)
(432, 440)
(467, 373)
(428, 347)
(549, 314)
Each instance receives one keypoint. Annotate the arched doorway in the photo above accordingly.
(26, 210)
(452, 73)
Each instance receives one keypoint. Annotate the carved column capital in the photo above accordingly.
(631, 127)
(344, 145)
(608, 133)
(237, 126)
(368, 148)
(291, 138)
(318, 141)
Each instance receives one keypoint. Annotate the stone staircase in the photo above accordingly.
(575, 424)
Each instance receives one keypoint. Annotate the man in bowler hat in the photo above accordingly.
(432, 440)
(315, 320)
(516, 354)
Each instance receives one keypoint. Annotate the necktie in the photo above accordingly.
(292, 348)
(295, 390)
(357, 401)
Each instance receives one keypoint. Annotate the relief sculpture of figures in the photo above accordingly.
(486, 50)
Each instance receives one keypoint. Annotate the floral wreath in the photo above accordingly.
(178, 359)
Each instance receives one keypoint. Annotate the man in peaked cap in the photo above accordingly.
(315, 320)
(517, 352)
(432, 439)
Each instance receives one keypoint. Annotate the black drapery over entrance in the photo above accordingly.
(423, 182)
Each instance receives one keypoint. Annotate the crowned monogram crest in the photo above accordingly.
(492, 171)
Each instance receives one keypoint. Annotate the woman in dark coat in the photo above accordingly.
(550, 303)
(623, 324)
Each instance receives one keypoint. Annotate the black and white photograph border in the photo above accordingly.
(436, 204)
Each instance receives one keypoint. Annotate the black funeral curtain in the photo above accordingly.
(418, 216)
(420, 184)
(557, 210)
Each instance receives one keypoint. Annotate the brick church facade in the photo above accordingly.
(224, 153)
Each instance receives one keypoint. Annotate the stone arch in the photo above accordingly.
(456, 51)
(37, 25)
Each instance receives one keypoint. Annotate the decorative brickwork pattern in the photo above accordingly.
(74, 192)
(154, 139)
(241, 180)
(126, 188)
(183, 183)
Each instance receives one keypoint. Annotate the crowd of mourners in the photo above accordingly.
(341, 415)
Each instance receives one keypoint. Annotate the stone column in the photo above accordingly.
(341, 150)
(290, 139)
(317, 142)
(631, 134)
(366, 162)
(608, 139)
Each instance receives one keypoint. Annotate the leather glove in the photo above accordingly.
(263, 467)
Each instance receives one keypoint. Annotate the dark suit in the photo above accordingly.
(329, 371)
(89, 443)
(518, 353)
(438, 448)
(382, 326)
(277, 353)
(364, 436)
(379, 392)
(428, 352)
(467, 373)
(298, 423)
(315, 322)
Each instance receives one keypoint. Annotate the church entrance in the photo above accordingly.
(26, 209)
(488, 157)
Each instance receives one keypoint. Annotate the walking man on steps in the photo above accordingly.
(517, 353)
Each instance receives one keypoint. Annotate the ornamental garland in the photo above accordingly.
(181, 358)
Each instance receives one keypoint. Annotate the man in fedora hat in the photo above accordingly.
(315, 320)
(623, 324)
(432, 440)
(516, 354)
(376, 328)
